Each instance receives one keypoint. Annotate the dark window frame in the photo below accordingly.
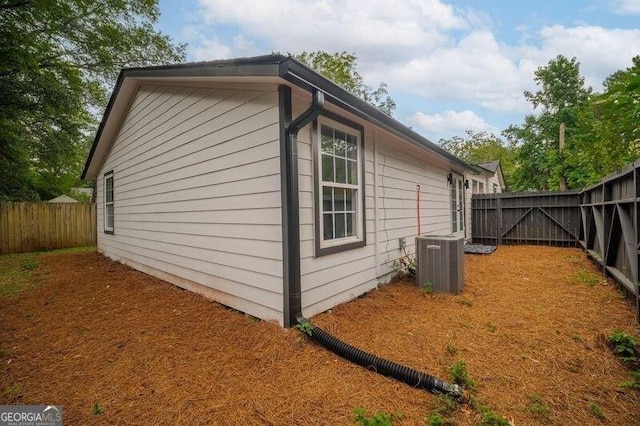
(108, 175)
(317, 205)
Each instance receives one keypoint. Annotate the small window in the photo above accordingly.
(481, 188)
(339, 185)
(108, 203)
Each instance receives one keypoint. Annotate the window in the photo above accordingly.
(339, 185)
(495, 188)
(108, 203)
(481, 188)
(474, 187)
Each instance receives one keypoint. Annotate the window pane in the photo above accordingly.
(109, 215)
(351, 224)
(349, 200)
(340, 143)
(352, 172)
(352, 147)
(327, 199)
(327, 221)
(340, 225)
(327, 139)
(327, 168)
(339, 194)
(341, 170)
(454, 216)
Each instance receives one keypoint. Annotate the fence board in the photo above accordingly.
(44, 226)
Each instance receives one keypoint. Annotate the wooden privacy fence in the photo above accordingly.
(603, 219)
(549, 218)
(42, 226)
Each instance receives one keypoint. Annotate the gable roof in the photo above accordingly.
(492, 166)
(275, 68)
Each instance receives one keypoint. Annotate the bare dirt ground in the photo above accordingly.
(531, 327)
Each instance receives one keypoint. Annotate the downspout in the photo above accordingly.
(293, 207)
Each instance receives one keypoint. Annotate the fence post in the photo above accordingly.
(499, 217)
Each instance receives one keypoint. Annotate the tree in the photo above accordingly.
(611, 121)
(561, 97)
(57, 59)
(482, 147)
(341, 68)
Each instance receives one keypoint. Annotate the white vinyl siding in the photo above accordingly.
(198, 199)
(335, 278)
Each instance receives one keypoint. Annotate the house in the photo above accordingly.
(487, 179)
(263, 185)
(63, 199)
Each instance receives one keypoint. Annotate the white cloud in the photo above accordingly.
(627, 7)
(426, 48)
(449, 123)
(601, 51)
(212, 49)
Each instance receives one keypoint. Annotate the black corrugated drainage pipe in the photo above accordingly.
(293, 236)
(379, 365)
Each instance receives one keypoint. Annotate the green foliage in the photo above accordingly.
(459, 375)
(538, 407)
(57, 59)
(305, 327)
(624, 346)
(483, 147)
(97, 409)
(378, 419)
(427, 288)
(441, 415)
(465, 301)
(12, 392)
(341, 69)
(406, 266)
(601, 130)
(489, 418)
(17, 273)
(560, 97)
(634, 383)
(585, 277)
(596, 411)
(451, 349)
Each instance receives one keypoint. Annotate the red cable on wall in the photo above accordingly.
(418, 207)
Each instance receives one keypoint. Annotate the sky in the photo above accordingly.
(451, 66)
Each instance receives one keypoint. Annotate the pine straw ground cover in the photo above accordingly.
(115, 346)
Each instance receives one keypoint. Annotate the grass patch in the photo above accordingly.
(460, 375)
(97, 409)
(585, 277)
(491, 327)
(538, 407)
(451, 349)
(441, 415)
(596, 411)
(17, 273)
(634, 383)
(378, 419)
(465, 301)
(12, 392)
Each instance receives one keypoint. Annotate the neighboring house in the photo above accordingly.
(63, 199)
(488, 180)
(264, 186)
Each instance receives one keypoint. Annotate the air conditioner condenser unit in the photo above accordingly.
(440, 263)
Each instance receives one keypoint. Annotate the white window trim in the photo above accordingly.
(107, 176)
(358, 240)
